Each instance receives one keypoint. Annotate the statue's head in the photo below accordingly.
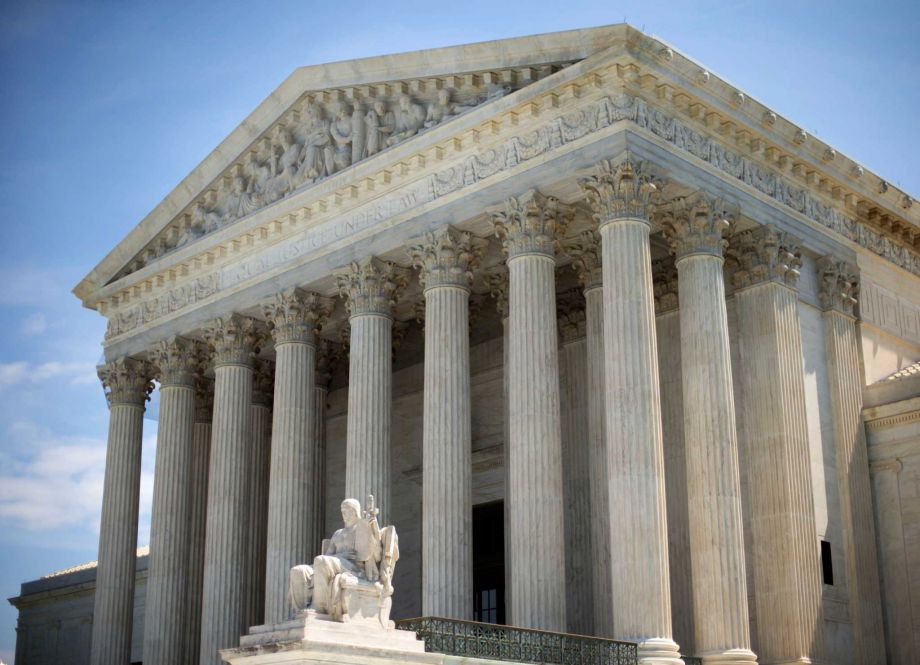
(443, 95)
(380, 108)
(351, 511)
(404, 102)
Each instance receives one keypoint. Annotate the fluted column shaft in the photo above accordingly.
(597, 452)
(320, 399)
(576, 463)
(635, 457)
(259, 465)
(714, 494)
(198, 510)
(165, 614)
(113, 605)
(838, 285)
(223, 610)
(781, 517)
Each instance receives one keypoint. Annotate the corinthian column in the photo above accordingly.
(223, 609)
(838, 287)
(294, 316)
(695, 228)
(371, 287)
(786, 561)
(164, 619)
(619, 197)
(127, 384)
(259, 465)
(198, 510)
(576, 464)
(528, 227)
(445, 260)
(586, 258)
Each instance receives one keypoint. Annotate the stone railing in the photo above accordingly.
(472, 639)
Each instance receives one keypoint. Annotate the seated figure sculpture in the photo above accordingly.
(351, 581)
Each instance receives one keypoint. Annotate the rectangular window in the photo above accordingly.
(827, 564)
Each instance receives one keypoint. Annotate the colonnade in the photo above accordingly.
(213, 550)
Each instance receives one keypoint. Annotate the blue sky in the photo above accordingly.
(106, 106)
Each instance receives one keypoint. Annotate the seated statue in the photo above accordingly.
(352, 579)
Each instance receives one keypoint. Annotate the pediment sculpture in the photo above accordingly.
(352, 579)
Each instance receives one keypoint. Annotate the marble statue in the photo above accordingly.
(352, 580)
(443, 109)
(379, 124)
(318, 147)
(410, 118)
(342, 133)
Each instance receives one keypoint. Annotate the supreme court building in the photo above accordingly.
(619, 350)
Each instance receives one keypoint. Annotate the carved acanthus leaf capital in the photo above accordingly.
(696, 224)
(263, 382)
(497, 281)
(126, 381)
(585, 250)
(371, 286)
(176, 361)
(446, 257)
(297, 315)
(620, 191)
(838, 285)
(664, 282)
(571, 318)
(765, 254)
(531, 224)
(235, 339)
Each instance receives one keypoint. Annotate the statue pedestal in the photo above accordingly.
(312, 637)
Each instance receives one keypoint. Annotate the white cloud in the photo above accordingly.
(33, 325)
(21, 372)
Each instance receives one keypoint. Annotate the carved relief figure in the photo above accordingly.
(380, 125)
(287, 167)
(318, 151)
(410, 117)
(352, 578)
(358, 135)
(341, 130)
(443, 109)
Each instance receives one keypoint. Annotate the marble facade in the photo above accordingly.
(573, 272)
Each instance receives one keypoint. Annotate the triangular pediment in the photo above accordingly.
(325, 118)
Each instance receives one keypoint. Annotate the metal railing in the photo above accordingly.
(472, 639)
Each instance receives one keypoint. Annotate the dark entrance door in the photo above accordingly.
(489, 563)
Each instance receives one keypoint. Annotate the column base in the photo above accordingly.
(659, 651)
(729, 657)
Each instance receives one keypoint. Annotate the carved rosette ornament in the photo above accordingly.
(497, 281)
(531, 224)
(838, 285)
(126, 381)
(371, 286)
(445, 257)
(664, 275)
(204, 399)
(585, 250)
(234, 339)
(570, 306)
(297, 315)
(619, 191)
(176, 361)
(696, 224)
(765, 254)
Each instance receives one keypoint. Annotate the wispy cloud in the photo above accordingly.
(22, 372)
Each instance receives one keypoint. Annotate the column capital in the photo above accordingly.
(204, 399)
(664, 284)
(531, 224)
(696, 224)
(176, 361)
(570, 308)
(234, 339)
(445, 257)
(765, 254)
(263, 381)
(619, 190)
(328, 355)
(371, 286)
(585, 250)
(838, 285)
(497, 281)
(295, 315)
(126, 381)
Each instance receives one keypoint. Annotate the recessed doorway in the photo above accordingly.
(489, 562)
